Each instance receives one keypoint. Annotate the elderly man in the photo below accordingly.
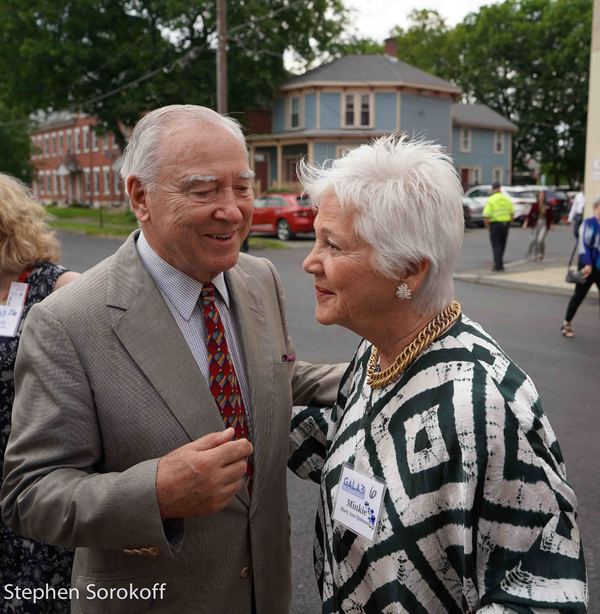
(150, 428)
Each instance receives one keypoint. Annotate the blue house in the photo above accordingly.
(349, 101)
(481, 144)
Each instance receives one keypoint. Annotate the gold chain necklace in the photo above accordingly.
(434, 329)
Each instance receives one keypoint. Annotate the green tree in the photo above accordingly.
(114, 59)
(526, 59)
(529, 60)
(16, 145)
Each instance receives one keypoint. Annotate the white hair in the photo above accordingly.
(407, 200)
(141, 157)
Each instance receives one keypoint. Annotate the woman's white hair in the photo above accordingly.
(141, 157)
(407, 200)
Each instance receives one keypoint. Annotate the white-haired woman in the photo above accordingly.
(442, 484)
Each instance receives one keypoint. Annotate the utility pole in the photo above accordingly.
(222, 56)
(592, 150)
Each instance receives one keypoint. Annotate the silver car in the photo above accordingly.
(522, 198)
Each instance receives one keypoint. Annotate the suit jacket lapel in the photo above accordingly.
(151, 336)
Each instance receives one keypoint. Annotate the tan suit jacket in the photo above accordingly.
(106, 386)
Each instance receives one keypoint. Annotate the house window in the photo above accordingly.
(290, 163)
(77, 140)
(69, 141)
(105, 142)
(86, 181)
(60, 143)
(54, 151)
(294, 112)
(86, 142)
(465, 140)
(497, 173)
(498, 142)
(46, 144)
(96, 181)
(117, 182)
(106, 179)
(94, 141)
(356, 112)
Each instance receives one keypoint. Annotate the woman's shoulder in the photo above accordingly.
(43, 277)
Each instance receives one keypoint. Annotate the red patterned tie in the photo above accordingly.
(223, 381)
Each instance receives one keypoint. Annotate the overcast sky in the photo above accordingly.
(375, 18)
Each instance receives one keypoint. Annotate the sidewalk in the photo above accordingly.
(547, 276)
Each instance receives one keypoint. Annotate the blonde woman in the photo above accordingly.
(29, 253)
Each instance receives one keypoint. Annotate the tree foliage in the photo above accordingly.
(526, 59)
(15, 151)
(115, 59)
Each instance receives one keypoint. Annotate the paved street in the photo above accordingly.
(526, 324)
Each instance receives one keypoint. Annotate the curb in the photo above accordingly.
(504, 282)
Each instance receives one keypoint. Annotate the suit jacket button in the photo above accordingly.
(245, 573)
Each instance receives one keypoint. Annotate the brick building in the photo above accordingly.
(73, 164)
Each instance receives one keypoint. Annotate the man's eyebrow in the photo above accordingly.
(247, 175)
(192, 180)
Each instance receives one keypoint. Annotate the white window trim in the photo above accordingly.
(357, 94)
(77, 140)
(288, 112)
(87, 181)
(461, 145)
(94, 140)
(500, 179)
(96, 184)
(499, 138)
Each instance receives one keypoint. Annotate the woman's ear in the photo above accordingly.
(138, 198)
(417, 274)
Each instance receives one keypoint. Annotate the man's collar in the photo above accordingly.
(182, 290)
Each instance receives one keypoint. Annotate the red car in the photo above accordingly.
(283, 214)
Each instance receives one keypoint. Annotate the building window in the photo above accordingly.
(86, 181)
(497, 173)
(294, 112)
(54, 149)
(48, 182)
(356, 111)
(94, 141)
(46, 145)
(86, 143)
(60, 143)
(68, 141)
(77, 135)
(54, 183)
(499, 142)
(96, 181)
(105, 142)
(465, 140)
(106, 179)
(62, 184)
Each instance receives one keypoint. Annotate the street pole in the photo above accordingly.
(222, 56)
(592, 149)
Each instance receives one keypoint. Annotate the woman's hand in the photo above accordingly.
(586, 270)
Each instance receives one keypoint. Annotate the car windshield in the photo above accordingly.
(304, 200)
(521, 194)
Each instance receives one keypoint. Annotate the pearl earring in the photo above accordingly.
(404, 292)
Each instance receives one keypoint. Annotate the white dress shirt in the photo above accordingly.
(181, 293)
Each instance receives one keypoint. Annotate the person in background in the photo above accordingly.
(589, 264)
(497, 215)
(151, 426)
(442, 484)
(539, 220)
(576, 213)
(29, 254)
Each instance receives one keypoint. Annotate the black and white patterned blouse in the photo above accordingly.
(477, 517)
(23, 562)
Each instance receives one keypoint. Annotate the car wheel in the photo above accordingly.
(283, 231)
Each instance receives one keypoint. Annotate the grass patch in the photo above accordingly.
(108, 230)
(264, 243)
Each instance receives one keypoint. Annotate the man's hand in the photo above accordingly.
(203, 476)
(586, 270)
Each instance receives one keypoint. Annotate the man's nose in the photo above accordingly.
(228, 208)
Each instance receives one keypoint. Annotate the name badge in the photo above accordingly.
(358, 502)
(11, 313)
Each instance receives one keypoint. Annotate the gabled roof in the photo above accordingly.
(369, 70)
(480, 116)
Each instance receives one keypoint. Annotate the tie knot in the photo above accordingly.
(208, 293)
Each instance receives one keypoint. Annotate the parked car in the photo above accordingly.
(473, 211)
(522, 198)
(557, 199)
(283, 214)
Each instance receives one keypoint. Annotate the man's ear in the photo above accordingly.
(138, 199)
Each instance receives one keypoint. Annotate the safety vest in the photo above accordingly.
(498, 208)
